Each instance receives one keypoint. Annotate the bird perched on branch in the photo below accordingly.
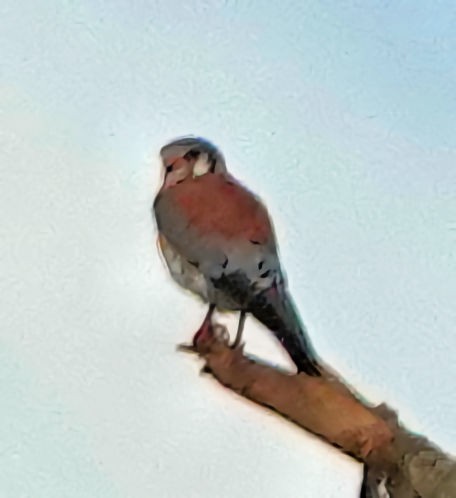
(218, 241)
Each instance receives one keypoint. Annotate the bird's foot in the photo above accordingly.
(236, 345)
(237, 342)
(204, 333)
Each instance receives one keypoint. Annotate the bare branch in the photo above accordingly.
(403, 464)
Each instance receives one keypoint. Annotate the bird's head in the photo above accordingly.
(190, 157)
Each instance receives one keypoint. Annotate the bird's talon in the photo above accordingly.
(186, 348)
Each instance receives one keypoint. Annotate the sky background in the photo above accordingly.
(340, 114)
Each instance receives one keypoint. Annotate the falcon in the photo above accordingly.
(218, 241)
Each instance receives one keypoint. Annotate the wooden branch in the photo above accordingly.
(403, 464)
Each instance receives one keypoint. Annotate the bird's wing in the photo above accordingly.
(223, 229)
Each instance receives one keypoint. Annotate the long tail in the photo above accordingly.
(274, 308)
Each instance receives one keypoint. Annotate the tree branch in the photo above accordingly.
(404, 465)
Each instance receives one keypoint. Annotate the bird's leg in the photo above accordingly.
(206, 326)
(237, 339)
(205, 331)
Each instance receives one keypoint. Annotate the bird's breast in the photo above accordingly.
(213, 205)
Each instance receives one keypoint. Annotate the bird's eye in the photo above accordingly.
(192, 154)
(169, 168)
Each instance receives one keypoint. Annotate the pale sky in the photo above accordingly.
(341, 115)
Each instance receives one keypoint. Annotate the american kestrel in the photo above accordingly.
(218, 242)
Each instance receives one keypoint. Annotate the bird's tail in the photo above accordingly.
(275, 309)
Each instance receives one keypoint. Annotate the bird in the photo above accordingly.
(218, 241)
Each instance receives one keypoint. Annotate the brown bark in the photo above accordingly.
(409, 465)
